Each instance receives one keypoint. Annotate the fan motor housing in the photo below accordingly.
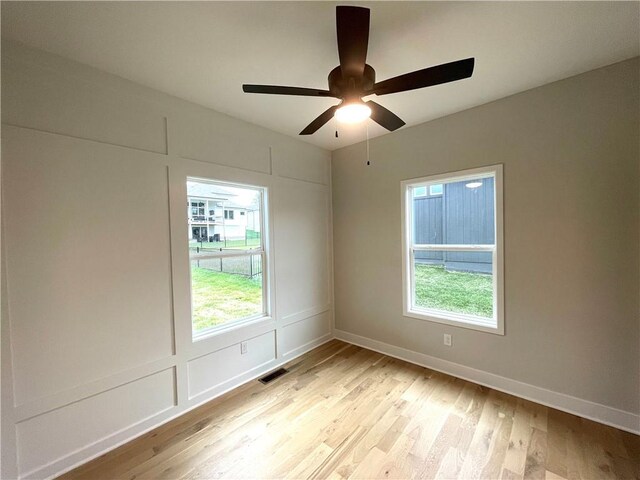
(351, 87)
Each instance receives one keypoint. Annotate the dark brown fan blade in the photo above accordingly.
(352, 25)
(282, 90)
(323, 118)
(383, 117)
(447, 72)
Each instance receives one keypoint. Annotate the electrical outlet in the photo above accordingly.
(447, 339)
(243, 348)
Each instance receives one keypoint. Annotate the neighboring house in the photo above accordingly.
(455, 213)
(215, 215)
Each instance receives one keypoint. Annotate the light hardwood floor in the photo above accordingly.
(346, 412)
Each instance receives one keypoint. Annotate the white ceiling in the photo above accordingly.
(205, 51)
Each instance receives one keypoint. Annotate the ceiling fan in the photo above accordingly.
(354, 78)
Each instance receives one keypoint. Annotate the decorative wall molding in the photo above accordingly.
(160, 388)
(43, 405)
(102, 446)
(103, 111)
(303, 315)
(297, 179)
(306, 347)
(224, 165)
(83, 138)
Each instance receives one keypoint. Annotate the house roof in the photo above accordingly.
(216, 192)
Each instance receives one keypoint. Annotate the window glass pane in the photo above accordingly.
(454, 282)
(462, 215)
(225, 290)
(226, 253)
(419, 191)
(435, 189)
(221, 229)
(428, 220)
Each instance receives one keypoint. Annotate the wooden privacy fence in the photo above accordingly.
(459, 216)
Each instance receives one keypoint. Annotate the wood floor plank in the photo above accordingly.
(500, 438)
(370, 466)
(399, 462)
(478, 453)
(450, 465)
(344, 412)
(516, 456)
(449, 435)
(536, 455)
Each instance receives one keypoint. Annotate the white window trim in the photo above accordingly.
(263, 250)
(438, 316)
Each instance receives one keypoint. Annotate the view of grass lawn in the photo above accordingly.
(218, 297)
(459, 292)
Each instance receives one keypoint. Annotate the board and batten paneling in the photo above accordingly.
(88, 260)
(77, 424)
(213, 369)
(293, 160)
(96, 317)
(299, 334)
(301, 226)
(59, 105)
(197, 133)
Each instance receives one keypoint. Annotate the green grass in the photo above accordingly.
(217, 297)
(470, 293)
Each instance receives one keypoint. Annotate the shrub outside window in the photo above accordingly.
(453, 249)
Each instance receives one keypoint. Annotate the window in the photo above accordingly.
(419, 191)
(435, 189)
(452, 249)
(197, 209)
(227, 261)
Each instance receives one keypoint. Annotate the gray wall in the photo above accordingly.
(571, 206)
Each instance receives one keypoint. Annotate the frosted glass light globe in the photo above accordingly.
(353, 113)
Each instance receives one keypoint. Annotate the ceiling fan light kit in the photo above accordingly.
(354, 79)
(354, 112)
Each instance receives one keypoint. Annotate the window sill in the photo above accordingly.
(464, 321)
(230, 327)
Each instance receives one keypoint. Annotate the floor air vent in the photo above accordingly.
(273, 375)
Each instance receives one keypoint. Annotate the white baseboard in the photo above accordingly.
(614, 417)
(105, 445)
(296, 352)
(594, 411)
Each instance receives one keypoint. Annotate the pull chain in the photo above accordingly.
(367, 126)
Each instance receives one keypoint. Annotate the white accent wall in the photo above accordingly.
(96, 334)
